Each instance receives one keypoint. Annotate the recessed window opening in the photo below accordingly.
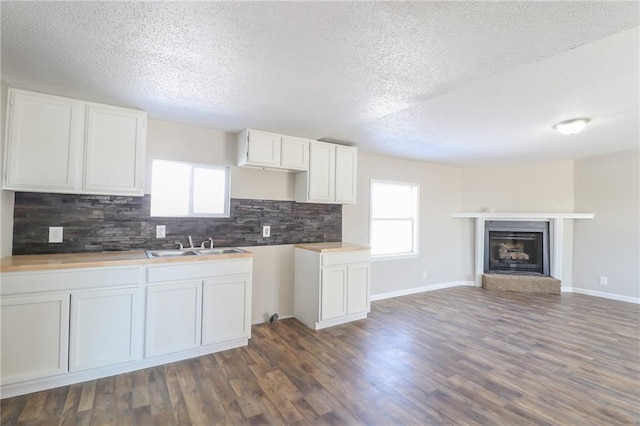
(394, 219)
(189, 190)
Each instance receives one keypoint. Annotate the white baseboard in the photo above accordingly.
(415, 290)
(602, 294)
(564, 289)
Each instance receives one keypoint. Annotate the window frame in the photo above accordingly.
(415, 218)
(192, 168)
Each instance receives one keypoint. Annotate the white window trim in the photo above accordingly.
(416, 232)
(227, 199)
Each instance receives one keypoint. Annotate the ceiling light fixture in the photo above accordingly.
(571, 127)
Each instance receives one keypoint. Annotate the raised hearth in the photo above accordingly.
(521, 283)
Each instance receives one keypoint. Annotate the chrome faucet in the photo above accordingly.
(180, 246)
(190, 241)
(203, 244)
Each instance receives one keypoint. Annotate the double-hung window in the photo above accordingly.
(185, 189)
(394, 219)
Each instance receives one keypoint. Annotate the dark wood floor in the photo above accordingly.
(454, 356)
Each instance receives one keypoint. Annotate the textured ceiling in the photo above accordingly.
(462, 83)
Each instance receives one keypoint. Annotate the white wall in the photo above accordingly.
(6, 197)
(439, 234)
(532, 187)
(608, 245)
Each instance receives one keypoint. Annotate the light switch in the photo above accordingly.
(161, 231)
(266, 231)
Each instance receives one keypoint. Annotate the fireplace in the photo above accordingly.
(516, 247)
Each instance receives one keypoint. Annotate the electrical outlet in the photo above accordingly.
(266, 231)
(161, 231)
(604, 280)
(55, 234)
(424, 274)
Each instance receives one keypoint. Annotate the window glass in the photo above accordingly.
(207, 184)
(398, 200)
(394, 219)
(184, 189)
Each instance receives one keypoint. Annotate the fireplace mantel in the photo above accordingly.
(560, 246)
(524, 216)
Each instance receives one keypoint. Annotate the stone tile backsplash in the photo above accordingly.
(103, 222)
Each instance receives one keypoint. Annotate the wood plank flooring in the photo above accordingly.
(456, 356)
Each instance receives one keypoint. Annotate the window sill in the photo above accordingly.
(381, 258)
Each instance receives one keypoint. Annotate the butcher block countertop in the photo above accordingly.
(331, 247)
(40, 262)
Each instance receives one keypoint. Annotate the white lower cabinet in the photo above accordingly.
(71, 325)
(214, 308)
(104, 329)
(35, 336)
(225, 315)
(331, 288)
(174, 317)
(358, 288)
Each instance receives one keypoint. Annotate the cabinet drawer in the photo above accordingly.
(346, 257)
(195, 270)
(68, 279)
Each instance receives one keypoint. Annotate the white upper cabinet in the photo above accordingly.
(63, 145)
(346, 174)
(331, 177)
(256, 148)
(273, 151)
(294, 154)
(322, 172)
(43, 142)
(114, 150)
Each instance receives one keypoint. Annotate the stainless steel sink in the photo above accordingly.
(220, 250)
(154, 254)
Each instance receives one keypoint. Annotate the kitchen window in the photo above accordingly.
(189, 190)
(394, 219)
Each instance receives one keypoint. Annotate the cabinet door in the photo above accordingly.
(357, 288)
(322, 169)
(35, 337)
(264, 148)
(174, 318)
(333, 292)
(104, 328)
(44, 136)
(225, 314)
(346, 174)
(114, 157)
(294, 153)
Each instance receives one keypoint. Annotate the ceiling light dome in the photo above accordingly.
(571, 127)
